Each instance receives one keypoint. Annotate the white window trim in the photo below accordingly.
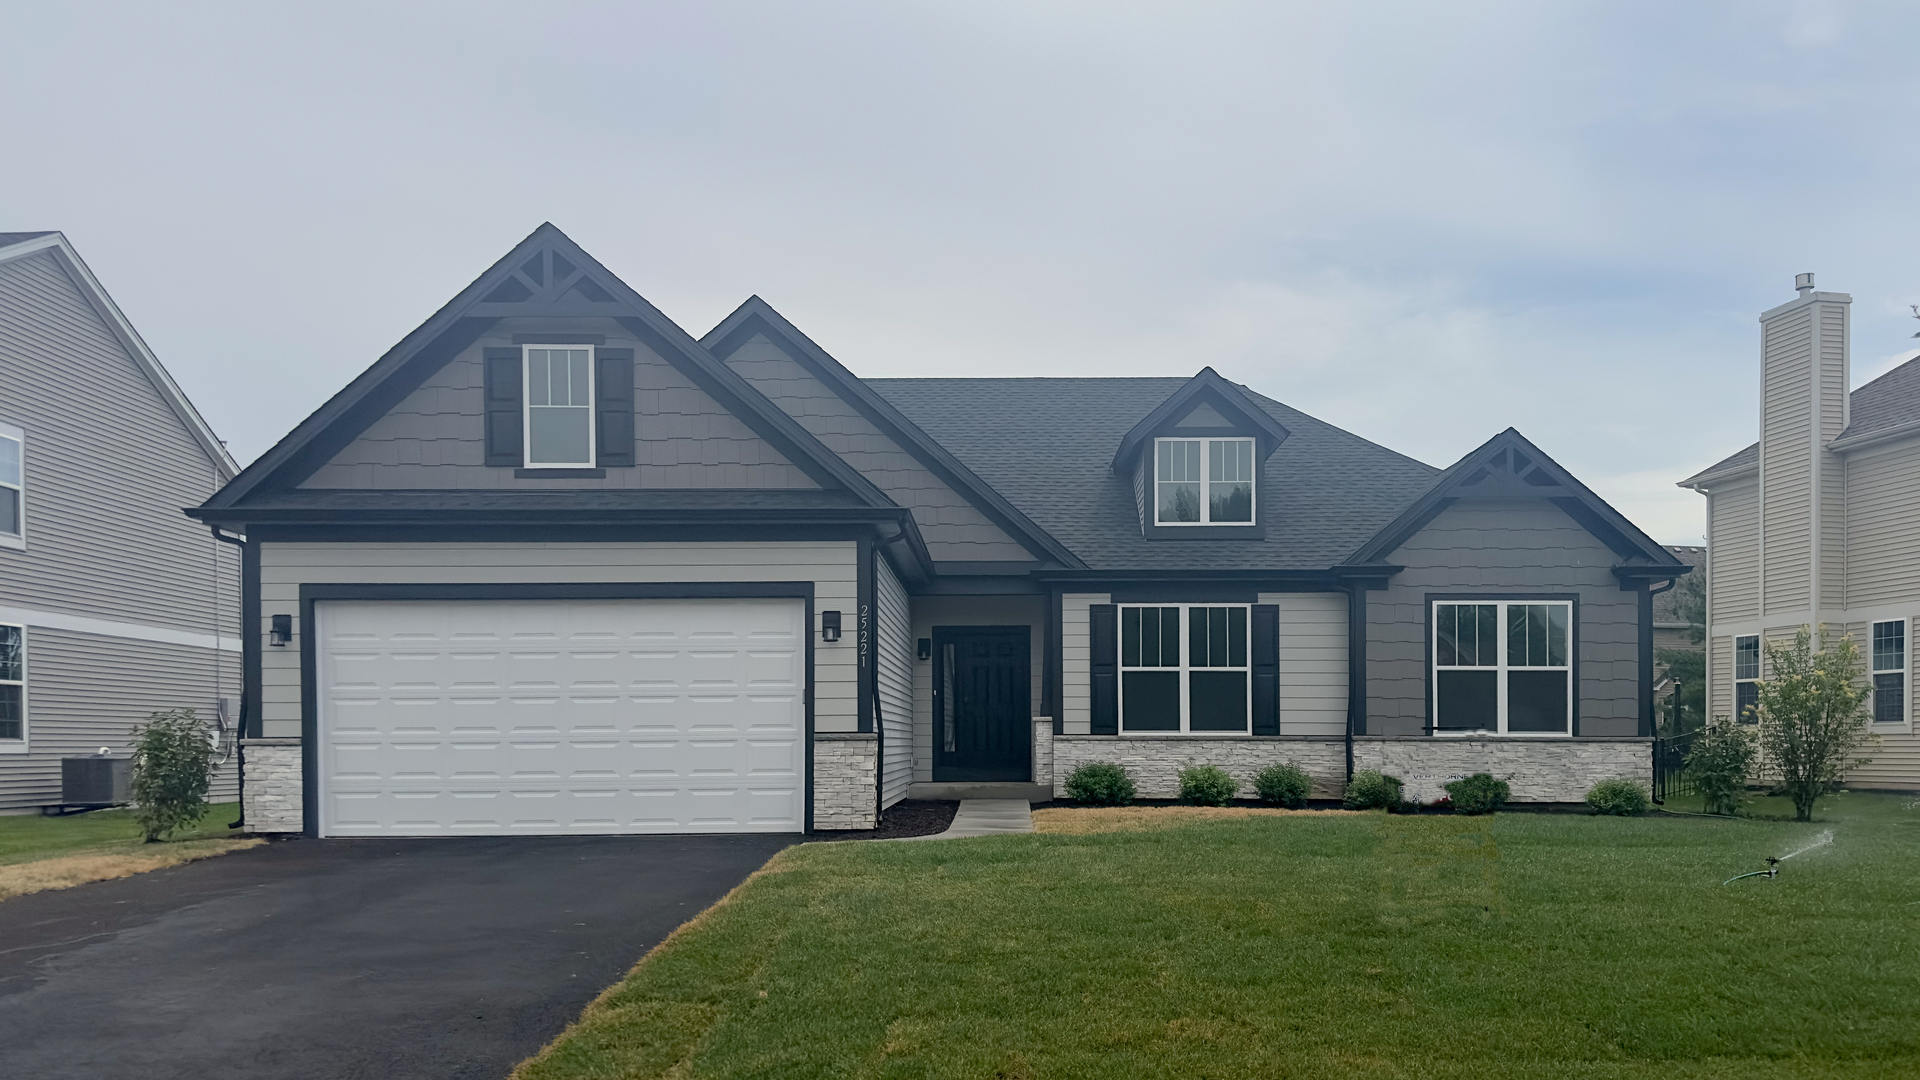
(1905, 671)
(1760, 653)
(1186, 667)
(1206, 481)
(1502, 667)
(19, 745)
(17, 540)
(527, 407)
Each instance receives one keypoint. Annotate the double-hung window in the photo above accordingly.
(13, 686)
(1183, 668)
(1503, 666)
(1890, 672)
(559, 397)
(13, 483)
(1746, 678)
(1203, 482)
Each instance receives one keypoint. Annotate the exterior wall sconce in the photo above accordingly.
(926, 648)
(282, 630)
(829, 626)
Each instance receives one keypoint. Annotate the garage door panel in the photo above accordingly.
(592, 716)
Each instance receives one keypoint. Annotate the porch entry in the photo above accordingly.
(982, 705)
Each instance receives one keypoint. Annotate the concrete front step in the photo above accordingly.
(986, 817)
(1032, 793)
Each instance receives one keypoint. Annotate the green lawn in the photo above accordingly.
(1520, 945)
(25, 838)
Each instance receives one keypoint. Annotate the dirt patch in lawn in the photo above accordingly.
(66, 871)
(1100, 819)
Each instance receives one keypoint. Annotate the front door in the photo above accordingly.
(982, 704)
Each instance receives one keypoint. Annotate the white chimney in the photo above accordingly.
(1803, 407)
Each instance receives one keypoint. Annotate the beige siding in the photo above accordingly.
(1719, 677)
(1076, 699)
(932, 611)
(433, 439)
(1313, 662)
(955, 530)
(830, 565)
(1786, 460)
(1733, 570)
(1831, 487)
(893, 672)
(1883, 525)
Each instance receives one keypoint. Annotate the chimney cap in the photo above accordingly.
(1803, 283)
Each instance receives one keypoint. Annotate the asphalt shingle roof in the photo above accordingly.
(1047, 445)
(1890, 401)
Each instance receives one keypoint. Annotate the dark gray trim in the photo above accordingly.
(559, 339)
(1103, 669)
(1573, 632)
(613, 401)
(559, 474)
(250, 680)
(1263, 648)
(503, 376)
(1205, 592)
(1051, 672)
(1207, 386)
(485, 532)
(865, 685)
(1330, 579)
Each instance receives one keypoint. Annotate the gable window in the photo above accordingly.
(1183, 668)
(1746, 679)
(13, 501)
(1890, 672)
(1203, 481)
(13, 685)
(559, 404)
(1504, 666)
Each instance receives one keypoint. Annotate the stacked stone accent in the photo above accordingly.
(1154, 763)
(844, 772)
(1538, 770)
(273, 792)
(1043, 750)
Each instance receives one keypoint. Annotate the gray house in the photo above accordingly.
(554, 565)
(112, 605)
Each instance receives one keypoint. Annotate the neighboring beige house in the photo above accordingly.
(1819, 523)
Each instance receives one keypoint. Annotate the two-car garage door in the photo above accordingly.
(477, 717)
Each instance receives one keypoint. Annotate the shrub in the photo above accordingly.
(1621, 797)
(1370, 789)
(1207, 785)
(1813, 716)
(1478, 794)
(1718, 764)
(1099, 783)
(1284, 785)
(172, 770)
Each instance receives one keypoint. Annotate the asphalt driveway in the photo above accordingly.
(450, 958)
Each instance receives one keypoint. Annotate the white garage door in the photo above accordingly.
(444, 718)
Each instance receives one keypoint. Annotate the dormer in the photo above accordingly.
(1195, 462)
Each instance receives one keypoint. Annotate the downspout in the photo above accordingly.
(1652, 714)
(240, 732)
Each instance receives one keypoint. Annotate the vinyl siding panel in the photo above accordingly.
(433, 439)
(955, 530)
(830, 565)
(1313, 662)
(932, 611)
(1883, 525)
(1786, 460)
(1076, 696)
(1720, 677)
(1831, 403)
(893, 675)
(1733, 544)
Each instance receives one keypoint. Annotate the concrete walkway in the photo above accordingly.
(987, 817)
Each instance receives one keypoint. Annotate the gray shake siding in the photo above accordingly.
(1494, 547)
(893, 653)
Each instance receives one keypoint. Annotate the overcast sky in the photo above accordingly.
(1424, 222)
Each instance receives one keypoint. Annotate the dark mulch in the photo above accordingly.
(913, 817)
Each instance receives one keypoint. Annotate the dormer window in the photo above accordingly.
(559, 397)
(1203, 481)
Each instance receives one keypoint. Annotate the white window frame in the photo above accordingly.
(527, 406)
(1501, 668)
(19, 539)
(1759, 663)
(1905, 671)
(1185, 668)
(19, 745)
(1207, 482)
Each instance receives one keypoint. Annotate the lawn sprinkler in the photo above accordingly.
(1773, 864)
(1772, 871)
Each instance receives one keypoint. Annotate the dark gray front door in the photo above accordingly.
(982, 707)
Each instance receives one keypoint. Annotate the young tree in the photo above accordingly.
(172, 770)
(1718, 765)
(1813, 716)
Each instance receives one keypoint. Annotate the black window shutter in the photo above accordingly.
(1266, 669)
(503, 384)
(1103, 632)
(613, 407)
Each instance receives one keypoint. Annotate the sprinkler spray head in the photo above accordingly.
(1773, 867)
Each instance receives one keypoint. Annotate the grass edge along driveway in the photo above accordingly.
(41, 853)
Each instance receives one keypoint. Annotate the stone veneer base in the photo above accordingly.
(273, 795)
(844, 774)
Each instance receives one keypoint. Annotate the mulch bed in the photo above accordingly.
(912, 817)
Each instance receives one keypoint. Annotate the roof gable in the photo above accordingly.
(1206, 404)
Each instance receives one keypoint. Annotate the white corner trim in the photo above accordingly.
(86, 624)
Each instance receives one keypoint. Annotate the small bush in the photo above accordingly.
(1099, 783)
(1478, 794)
(1620, 797)
(1718, 765)
(1369, 790)
(1284, 785)
(1207, 785)
(172, 770)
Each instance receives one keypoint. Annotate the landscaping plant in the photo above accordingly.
(172, 770)
(1100, 783)
(1813, 716)
(1370, 790)
(1621, 797)
(1718, 765)
(1207, 785)
(1283, 785)
(1478, 794)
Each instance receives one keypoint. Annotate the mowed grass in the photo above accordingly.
(27, 837)
(1519, 945)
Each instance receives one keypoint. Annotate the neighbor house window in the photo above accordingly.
(1183, 668)
(13, 684)
(1203, 482)
(559, 406)
(1890, 672)
(13, 476)
(1746, 679)
(1504, 666)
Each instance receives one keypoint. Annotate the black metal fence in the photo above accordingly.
(1670, 766)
